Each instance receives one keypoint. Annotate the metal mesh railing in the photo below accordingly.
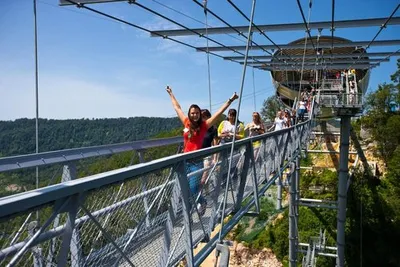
(151, 214)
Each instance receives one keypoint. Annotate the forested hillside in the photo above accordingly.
(18, 137)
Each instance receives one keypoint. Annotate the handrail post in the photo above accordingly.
(223, 157)
(68, 174)
(279, 192)
(144, 187)
(243, 177)
(67, 239)
(186, 206)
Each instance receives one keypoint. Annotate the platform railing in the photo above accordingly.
(341, 100)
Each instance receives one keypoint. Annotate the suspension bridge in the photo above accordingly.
(145, 214)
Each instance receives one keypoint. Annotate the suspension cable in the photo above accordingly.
(233, 28)
(36, 96)
(307, 25)
(186, 28)
(208, 55)
(261, 31)
(194, 19)
(316, 58)
(252, 72)
(80, 5)
(332, 24)
(254, 91)
(383, 26)
(388, 56)
(305, 43)
(236, 123)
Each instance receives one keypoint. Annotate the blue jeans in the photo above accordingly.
(194, 181)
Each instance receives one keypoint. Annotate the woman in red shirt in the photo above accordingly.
(194, 132)
(195, 128)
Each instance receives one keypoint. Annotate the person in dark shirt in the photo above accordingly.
(211, 137)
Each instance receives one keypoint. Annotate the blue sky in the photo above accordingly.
(93, 67)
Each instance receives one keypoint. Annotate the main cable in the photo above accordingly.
(261, 31)
(233, 28)
(305, 45)
(186, 28)
(194, 19)
(332, 25)
(388, 56)
(307, 25)
(376, 35)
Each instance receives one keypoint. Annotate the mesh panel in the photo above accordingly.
(17, 231)
(121, 212)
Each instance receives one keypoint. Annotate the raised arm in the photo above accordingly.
(221, 110)
(176, 105)
(273, 125)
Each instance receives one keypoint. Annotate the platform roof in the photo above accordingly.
(357, 23)
(316, 67)
(314, 56)
(301, 46)
(326, 62)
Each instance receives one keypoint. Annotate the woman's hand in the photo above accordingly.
(169, 90)
(234, 97)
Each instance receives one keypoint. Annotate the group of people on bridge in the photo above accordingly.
(200, 132)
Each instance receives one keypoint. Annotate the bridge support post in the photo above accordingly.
(36, 250)
(68, 174)
(342, 188)
(68, 236)
(144, 187)
(168, 231)
(297, 180)
(217, 185)
(279, 193)
(292, 218)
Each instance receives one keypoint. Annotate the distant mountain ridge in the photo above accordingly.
(18, 137)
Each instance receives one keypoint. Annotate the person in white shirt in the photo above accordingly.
(301, 109)
(279, 122)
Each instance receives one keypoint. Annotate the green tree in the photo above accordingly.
(270, 107)
(383, 116)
